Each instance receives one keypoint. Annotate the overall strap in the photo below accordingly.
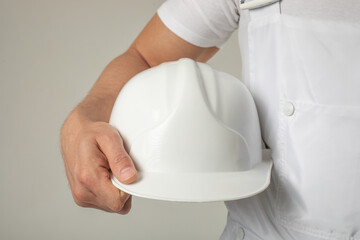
(258, 8)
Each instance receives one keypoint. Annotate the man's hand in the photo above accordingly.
(90, 151)
(90, 146)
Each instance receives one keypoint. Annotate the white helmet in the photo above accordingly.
(193, 133)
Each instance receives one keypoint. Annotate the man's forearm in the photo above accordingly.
(98, 104)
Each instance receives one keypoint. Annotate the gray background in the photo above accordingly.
(51, 52)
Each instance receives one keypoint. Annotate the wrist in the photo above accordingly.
(95, 108)
(90, 110)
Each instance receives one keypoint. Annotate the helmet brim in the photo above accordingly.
(200, 187)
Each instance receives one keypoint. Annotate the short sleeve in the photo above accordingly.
(204, 23)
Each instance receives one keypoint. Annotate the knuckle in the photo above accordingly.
(80, 203)
(80, 195)
(85, 178)
(117, 206)
(121, 159)
(104, 138)
(107, 136)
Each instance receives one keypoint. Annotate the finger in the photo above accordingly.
(96, 180)
(82, 196)
(89, 205)
(92, 169)
(120, 162)
(110, 196)
(126, 209)
(105, 196)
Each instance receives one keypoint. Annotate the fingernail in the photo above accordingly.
(127, 173)
(124, 196)
(122, 193)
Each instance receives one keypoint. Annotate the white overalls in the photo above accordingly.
(305, 78)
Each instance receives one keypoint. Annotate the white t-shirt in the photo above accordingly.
(207, 23)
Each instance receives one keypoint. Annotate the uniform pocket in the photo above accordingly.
(320, 168)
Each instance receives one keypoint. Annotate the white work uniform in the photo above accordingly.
(304, 74)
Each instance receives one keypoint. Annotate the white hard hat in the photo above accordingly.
(193, 133)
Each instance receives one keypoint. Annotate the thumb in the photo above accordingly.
(119, 160)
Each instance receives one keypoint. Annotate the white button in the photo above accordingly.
(240, 234)
(288, 109)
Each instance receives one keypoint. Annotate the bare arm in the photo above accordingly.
(90, 146)
(155, 44)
